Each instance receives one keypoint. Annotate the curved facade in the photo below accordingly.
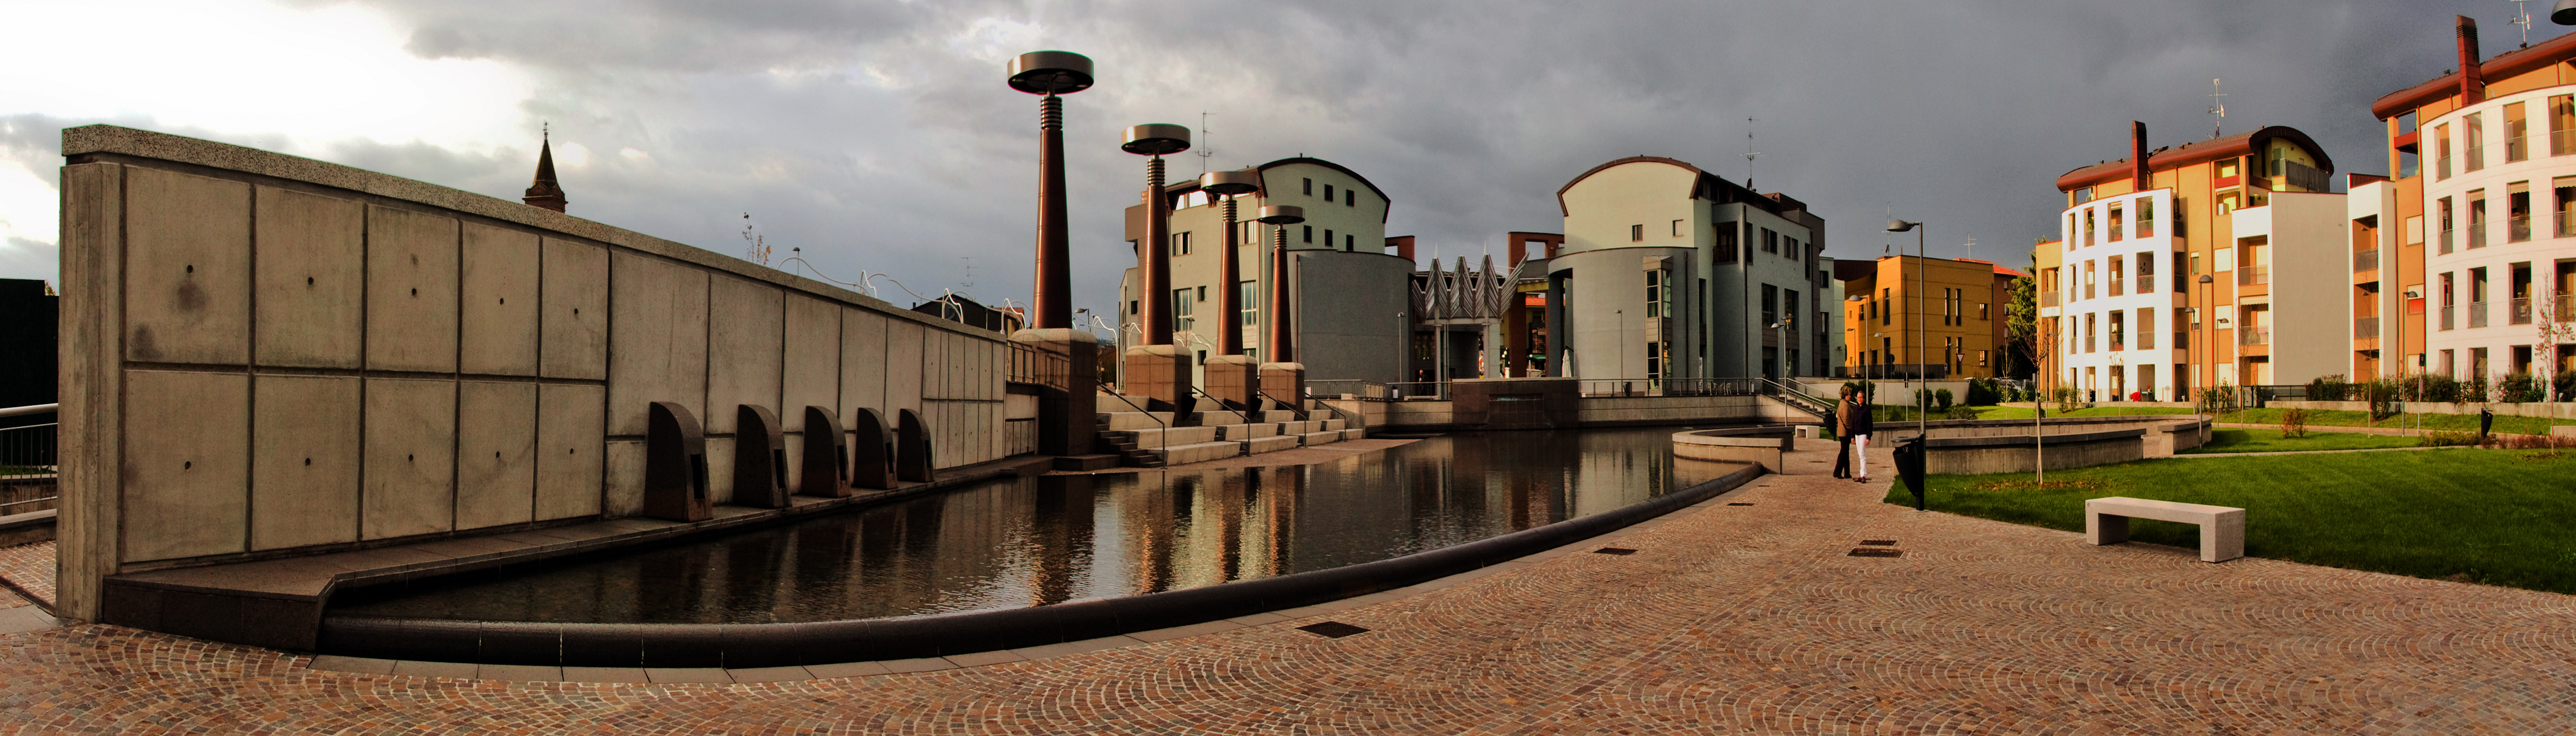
(2499, 196)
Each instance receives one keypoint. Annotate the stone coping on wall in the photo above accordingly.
(278, 603)
(112, 143)
(778, 645)
(2023, 440)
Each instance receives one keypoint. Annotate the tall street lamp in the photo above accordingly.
(1922, 418)
(1051, 73)
(2208, 342)
(1154, 269)
(1282, 347)
(1228, 184)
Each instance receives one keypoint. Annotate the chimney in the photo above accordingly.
(2473, 84)
(2138, 153)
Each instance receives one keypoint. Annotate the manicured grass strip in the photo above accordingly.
(2316, 418)
(2491, 516)
(2268, 440)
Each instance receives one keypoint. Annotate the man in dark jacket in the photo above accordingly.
(1842, 434)
(1855, 427)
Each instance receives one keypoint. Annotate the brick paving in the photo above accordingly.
(1727, 619)
(29, 569)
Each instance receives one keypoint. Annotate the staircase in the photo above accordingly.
(1799, 400)
(1142, 439)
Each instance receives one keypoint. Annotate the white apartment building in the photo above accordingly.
(2500, 198)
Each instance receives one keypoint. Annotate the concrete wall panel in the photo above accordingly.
(743, 349)
(569, 451)
(720, 469)
(304, 459)
(498, 302)
(411, 291)
(411, 458)
(863, 361)
(660, 333)
(623, 494)
(496, 464)
(905, 361)
(186, 464)
(812, 370)
(312, 280)
(574, 310)
(187, 276)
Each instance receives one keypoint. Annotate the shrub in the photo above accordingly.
(2432, 387)
(1984, 392)
(2382, 395)
(2294, 423)
(1959, 412)
(2566, 384)
(2439, 438)
(2473, 388)
(2516, 388)
(2329, 388)
(2219, 399)
(2067, 398)
(1941, 398)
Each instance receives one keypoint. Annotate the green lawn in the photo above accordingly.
(2316, 418)
(2013, 412)
(2266, 440)
(2492, 516)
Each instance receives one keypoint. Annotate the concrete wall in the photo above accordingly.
(271, 355)
(1347, 314)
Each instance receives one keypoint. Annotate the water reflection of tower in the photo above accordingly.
(1429, 487)
(1060, 537)
(1229, 504)
(1150, 525)
(1286, 486)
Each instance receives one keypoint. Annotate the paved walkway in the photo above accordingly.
(1727, 619)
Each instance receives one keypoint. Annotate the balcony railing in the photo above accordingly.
(2448, 321)
(2517, 228)
(2146, 282)
(2521, 314)
(2365, 260)
(2446, 240)
(2477, 235)
(2146, 340)
(2441, 167)
(2562, 142)
(2048, 298)
(2477, 158)
(2365, 328)
(2117, 343)
(2515, 149)
(2251, 275)
(2303, 176)
(2566, 221)
(2116, 285)
(2254, 336)
(2477, 314)
(2566, 311)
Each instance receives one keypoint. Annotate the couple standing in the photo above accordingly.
(1853, 426)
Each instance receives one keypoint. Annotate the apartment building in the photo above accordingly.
(1909, 316)
(1667, 271)
(2483, 274)
(1349, 297)
(2122, 294)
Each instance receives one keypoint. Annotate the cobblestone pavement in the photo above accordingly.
(1727, 619)
(28, 568)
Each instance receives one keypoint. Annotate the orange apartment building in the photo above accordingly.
(2461, 244)
(1962, 316)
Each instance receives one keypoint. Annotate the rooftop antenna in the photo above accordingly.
(970, 273)
(2217, 107)
(1749, 153)
(1972, 246)
(1205, 150)
(2521, 18)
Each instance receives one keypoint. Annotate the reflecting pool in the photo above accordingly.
(1049, 539)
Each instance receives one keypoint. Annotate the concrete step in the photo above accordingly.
(1148, 439)
(1319, 438)
(1300, 427)
(1272, 443)
(1278, 416)
(1221, 417)
(1241, 432)
(1113, 421)
(1335, 425)
(1196, 452)
(1086, 462)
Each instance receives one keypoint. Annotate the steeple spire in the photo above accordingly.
(544, 192)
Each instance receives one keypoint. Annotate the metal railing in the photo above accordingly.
(2477, 314)
(2448, 322)
(2146, 282)
(2562, 142)
(2521, 311)
(1674, 387)
(2477, 235)
(2515, 149)
(2446, 240)
(2441, 167)
(1351, 387)
(2048, 298)
(2116, 287)
(1034, 366)
(2566, 311)
(2476, 158)
(1418, 390)
(2304, 176)
(2251, 275)
(2365, 328)
(2517, 228)
(28, 462)
(2365, 260)
(2253, 335)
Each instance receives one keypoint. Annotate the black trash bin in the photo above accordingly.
(1909, 466)
(2486, 423)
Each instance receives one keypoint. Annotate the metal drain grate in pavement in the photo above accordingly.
(1878, 553)
(1614, 551)
(1333, 629)
(1879, 542)
(1739, 504)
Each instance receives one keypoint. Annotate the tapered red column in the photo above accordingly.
(1229, 310)
(1154, 269)
(1053, 293)
(1283, 345)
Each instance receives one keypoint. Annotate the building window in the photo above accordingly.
(2083, 195)
(2071, 242)
(2565, 190)
(2475, 131)
(1770, 304)
(1983, 311)
(1328, 192)
(1726, 245)
(1888, 310)
(2478, 218)
(1308, 234)
(2119, 218)
(1770, 241)
(2517, 210)
(1328, 238)
(2562, 125)
(2442, 213)
(1181, 243)
(2442, 152)
(2146, 217)
(1246, 295)
(1310, 187)
(1636, 232)
(1981, 358)
(2088, 226)
(1131, 306)
(1677, 228)
(1184, 304)
(1793, 247)
(2514, 128)
(1351, 197)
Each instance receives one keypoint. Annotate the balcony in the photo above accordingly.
(2515, 149)
(2477, 314)
(2254, 335)
(2302, 176)
(2477, 235)
(2146, 282)
(2562, 142)
(2365, 260)
(2048, 298)
(2521, 314)
(2477, 158)
(2446, 240)
(2115, 287)
(2251, 275)
(2448, 322)
(2566, 311)
(2441, 167)
(2365, 328)
(2517, 228)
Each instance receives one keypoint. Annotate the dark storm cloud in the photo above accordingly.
(879, 136)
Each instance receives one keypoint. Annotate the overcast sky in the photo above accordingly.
(879, 136)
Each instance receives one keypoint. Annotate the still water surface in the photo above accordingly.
(1049, 539)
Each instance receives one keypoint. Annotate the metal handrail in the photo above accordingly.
(20, 411)
(1294, 409)
(1164, 437)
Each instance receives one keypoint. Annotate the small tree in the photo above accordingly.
(1942, 397)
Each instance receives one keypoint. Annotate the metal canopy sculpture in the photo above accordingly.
(1154, 269)
(912, 447)
(759, 458)
(675, 465)
(826, 469)
(1051, 73)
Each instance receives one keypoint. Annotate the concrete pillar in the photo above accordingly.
(1234, 378)
(1159, 373)
(1284, 383)
(1067, 419)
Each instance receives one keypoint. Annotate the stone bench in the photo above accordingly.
(2222, 529)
